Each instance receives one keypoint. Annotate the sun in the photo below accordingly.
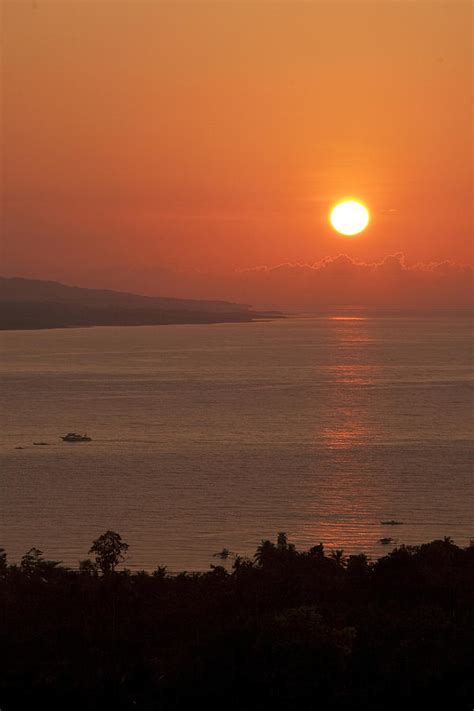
(349, 217)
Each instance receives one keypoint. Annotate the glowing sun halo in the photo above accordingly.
(349, 217)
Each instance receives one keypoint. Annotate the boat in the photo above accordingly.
(391, 523)
(41, 444)
(73, 437)
(386, 541)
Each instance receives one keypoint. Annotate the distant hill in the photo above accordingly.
(31, 303)
(19, 289)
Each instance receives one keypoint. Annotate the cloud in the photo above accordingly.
(343, 280)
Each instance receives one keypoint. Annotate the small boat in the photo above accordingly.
(73, 437)
(391, 523)
(41, 444)
(386, 541)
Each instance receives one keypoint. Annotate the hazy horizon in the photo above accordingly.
(338, 280)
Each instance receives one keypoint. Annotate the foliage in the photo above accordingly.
(288, 629)
(109, 551)
(33, 563)
(3, 562)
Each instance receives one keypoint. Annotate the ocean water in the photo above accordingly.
(212, 436)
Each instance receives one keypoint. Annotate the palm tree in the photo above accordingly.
(265, 553)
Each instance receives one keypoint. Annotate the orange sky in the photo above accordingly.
(216, 135)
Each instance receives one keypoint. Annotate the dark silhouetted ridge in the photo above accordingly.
(31, 304)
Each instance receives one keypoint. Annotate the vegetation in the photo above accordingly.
(109, 551)
(286, 630)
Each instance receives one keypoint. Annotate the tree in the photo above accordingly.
(317, 551)
(161, 572)
(338, 556)
(358, 566)
(109, 551)
(87, 567)
(3, 562)
(265, 553)
(33, 563)
(240, 564)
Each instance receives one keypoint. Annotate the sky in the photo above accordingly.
(196, 148)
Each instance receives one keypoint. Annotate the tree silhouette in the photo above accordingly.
(265, 553)
(33, 563)
(292, 627)
(161, 572)
(3, 562)
(109, 551)
(338, 556)
(87, 567)
(317, 551)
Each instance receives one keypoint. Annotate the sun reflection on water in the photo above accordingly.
(347, 428)
(352, 433)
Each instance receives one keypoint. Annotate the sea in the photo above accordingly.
(207, 437)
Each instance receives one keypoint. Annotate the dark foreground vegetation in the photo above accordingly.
(286, 630)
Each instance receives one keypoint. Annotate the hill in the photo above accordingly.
(31, 304)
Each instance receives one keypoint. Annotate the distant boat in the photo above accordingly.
(73, 437)
(391, 523)
(41, 444)
(386, 541)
